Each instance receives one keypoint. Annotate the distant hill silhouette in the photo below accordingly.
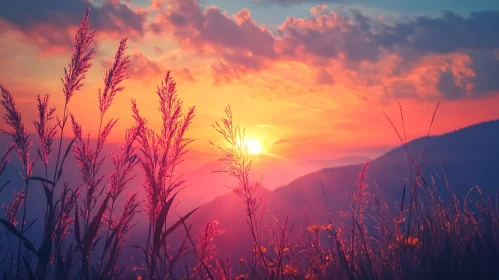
(202, 185)
(464, 158)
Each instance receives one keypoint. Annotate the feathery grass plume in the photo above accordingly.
(20, 139)
(18, 132)
(81, 60)
(90, 162)
(73, 78)
(161, 154)
(50, 252)
(114, 76)
(11, 210)
(114, 242)
(64, 218)
(206, 249)
(45, 131)
(124, 162)
(359, 204)
(54, 232)
(85, 158)
(4, 160)
(238, 164)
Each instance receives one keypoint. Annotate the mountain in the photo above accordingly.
(204, 184)
(464, 158)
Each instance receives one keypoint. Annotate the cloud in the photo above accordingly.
(447, 56)
(242, 44)
(327, 36)
(448, 87)
(485, 65)
(141, 66)
(403, 88)
(145, 69)
(293, 2)
(212, 28)
(185, 74)
(324, 77)
(50, 24)
(361, 38)
(286, 141)
(319, 9)
(447, 33)
(371, 52)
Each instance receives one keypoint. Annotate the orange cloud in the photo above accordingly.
(147, 70)
(367, 57)
(51, 25)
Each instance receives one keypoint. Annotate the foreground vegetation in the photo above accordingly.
(85, 233)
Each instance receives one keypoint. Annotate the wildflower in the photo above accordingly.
(412, 241)
(290, 270)
(313, 228)
(284, 250)
(408, 242)
(317, 228)
(329, 258)
(262, 249)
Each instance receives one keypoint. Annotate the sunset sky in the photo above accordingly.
(303, 77)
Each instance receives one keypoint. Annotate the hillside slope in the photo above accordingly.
(465, 158)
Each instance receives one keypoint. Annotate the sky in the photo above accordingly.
(308, 79)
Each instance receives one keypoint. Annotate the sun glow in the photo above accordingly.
(253, 146)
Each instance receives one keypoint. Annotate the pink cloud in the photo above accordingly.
(145, 69)
(141, 67)
(185, 74)
(318, 9)
(324, 77)
(242, 44)
(361, 53)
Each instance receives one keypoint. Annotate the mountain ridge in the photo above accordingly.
(467, 156)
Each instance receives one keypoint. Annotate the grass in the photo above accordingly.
(85, 232)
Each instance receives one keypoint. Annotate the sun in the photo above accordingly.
(253, 145)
